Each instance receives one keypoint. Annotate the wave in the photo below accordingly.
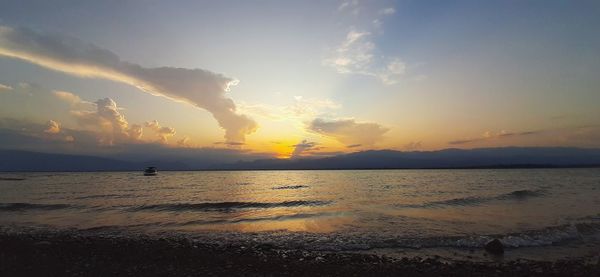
(255, 219)
(290, 187)
(227, 205)
(477, 200)
(30, 206)
(541, 237)
(535, 238)
(106, 196)
(11, 179)
(341, 241)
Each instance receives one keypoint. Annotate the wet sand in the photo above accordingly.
(69, 254)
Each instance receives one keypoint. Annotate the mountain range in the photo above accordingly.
(505, 157)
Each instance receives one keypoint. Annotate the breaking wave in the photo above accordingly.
(555, 235)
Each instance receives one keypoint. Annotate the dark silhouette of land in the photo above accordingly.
(507, 157)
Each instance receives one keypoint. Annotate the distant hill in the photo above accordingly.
(508, 157)
(14, 160)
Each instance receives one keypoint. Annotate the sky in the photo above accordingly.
(292, 79)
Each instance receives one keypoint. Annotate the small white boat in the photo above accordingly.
(150, 171)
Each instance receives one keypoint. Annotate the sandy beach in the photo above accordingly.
(71, 254)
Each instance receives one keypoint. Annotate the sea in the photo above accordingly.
(539, 214)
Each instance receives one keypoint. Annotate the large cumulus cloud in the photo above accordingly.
(202, 88)
(18, 134)
(109, 121)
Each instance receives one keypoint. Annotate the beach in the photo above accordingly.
(72, 254)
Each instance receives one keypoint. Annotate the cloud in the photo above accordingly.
(72, 99)
(52, 127)
(108, 121)
(26, 135)
(107, 109)
(353, 55)
(348, 131)
(183, 142)
(202, 88)
(67, 96)
(232, 144)
(301, 147)
(5, 88)
(387, 11)
(393, 72)
(489, 135)
(106, 118)
(301, 108)
(356, 55)
(413, 145)
(271, 112)
(586, 135)
(163, 133)
(135, 132)
(352, 6)
(310, 106)
(18, 134)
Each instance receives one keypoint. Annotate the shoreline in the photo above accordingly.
(78, 254)
(494, 167)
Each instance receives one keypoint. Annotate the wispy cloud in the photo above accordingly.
(353, 55)
(201, 88)
(301, 108)
(489, 135)
(357, 53)
(352, 6)
(5, 88)
(387, 11)
(74, 100)
(230, 143)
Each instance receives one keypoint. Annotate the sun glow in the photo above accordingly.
(284, 149)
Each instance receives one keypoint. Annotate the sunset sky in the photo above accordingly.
(298, 78)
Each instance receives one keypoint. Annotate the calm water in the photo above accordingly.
(324, 210)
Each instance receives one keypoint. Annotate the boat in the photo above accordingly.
(150, 171)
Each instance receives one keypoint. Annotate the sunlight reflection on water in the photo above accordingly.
(385, 203)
